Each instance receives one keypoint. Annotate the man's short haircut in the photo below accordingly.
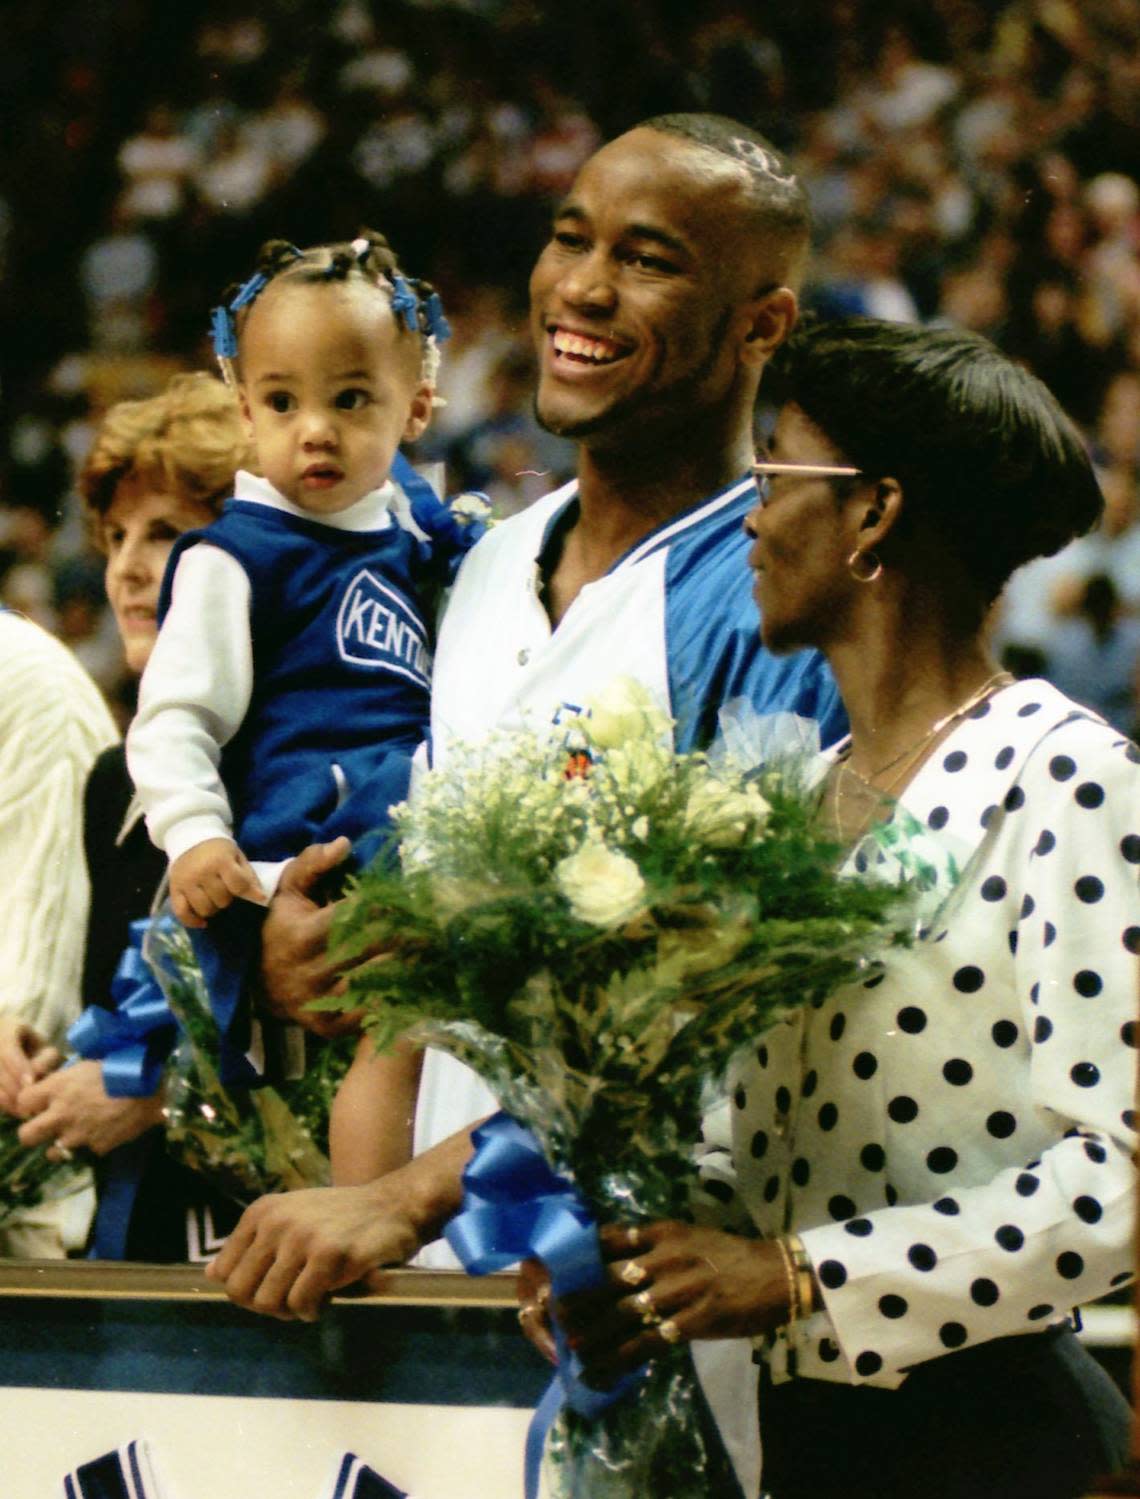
(990, 466)
(777, 198)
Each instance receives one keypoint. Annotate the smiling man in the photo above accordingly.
(668, 280)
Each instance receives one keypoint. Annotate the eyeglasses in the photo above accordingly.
(806, 470)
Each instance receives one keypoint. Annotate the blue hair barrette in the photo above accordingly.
(438, 326)
(405, 303)
(222, 324)
(249, 290)
(224, 333)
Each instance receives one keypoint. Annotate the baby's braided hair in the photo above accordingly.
(369, 257)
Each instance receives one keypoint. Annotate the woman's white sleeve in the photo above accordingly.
(193, 697)
(907, 1283)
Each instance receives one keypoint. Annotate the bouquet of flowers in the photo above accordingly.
(596, 925)
(27, 1175)
(245, 1142)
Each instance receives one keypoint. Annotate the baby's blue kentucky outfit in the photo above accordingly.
(341, 645)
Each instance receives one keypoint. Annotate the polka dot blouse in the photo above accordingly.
(951, 1134)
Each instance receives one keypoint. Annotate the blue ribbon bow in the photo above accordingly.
(405, 302)
(515, 1207)
(437, 324)
(134, 1040)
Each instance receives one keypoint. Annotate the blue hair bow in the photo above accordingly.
(438, 326)
(405, 303)
(222, 324)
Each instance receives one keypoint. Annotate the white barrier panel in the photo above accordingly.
(225, 1447)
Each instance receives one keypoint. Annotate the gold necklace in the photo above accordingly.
(876, 795)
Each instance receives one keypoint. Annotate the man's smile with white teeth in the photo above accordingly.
(590, 349)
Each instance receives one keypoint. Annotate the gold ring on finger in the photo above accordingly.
(633, 1273)
(526, 1311)
(633, 1236)
(643, 1301)
(669, 1330)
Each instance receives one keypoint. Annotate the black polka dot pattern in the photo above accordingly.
(902, 1109)
(969, 979)
(957, 1072)
(930, 1097)
(942, 1160)
(1004, 1033)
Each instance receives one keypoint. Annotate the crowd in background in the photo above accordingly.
(969, 163)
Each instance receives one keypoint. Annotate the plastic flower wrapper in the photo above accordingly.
(245, 1142)
(28, 1177)
(596, 925)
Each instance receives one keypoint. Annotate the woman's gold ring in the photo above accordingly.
(643, 1301)
(526, 1310)
(669, 1330)
(64, 1152)
(633, 1236)
(633, 1273)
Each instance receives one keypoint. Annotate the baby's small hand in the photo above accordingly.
(209, 877)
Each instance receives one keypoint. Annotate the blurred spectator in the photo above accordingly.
(1095, 655)
(976, 164)
(1050, 589)
(237, 173)
(157, 164)
(505, 453)
(118, 274)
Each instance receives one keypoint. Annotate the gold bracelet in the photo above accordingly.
(805, 1275)
(790, 1276)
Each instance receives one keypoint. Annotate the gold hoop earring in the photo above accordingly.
(864, 567)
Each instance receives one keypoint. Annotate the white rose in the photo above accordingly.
(722, 816)
(622, 712)
(602, 887)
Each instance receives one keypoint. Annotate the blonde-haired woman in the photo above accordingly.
(157, 468)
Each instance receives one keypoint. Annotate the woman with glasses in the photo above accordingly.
(934, 1164)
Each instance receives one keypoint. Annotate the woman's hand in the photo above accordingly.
(533, 1286)
(24, 1058)
(667, 1283)
(72, 1110)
